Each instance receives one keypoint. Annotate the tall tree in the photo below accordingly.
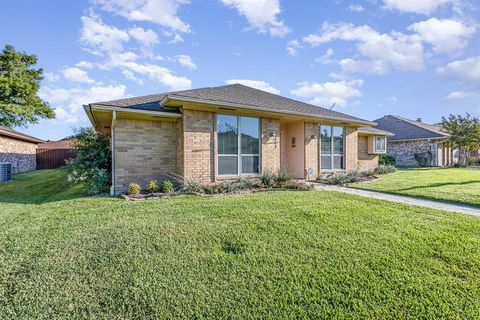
(464, 133)
(19, 85)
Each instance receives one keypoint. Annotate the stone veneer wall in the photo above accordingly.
(21, 154)
(270, 156)
(311, 148)
(144, 150)
(351, 148)
(404, 152)
(366, 162)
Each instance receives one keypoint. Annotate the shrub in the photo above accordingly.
(456, 165)
(295, 185)
(166, 186)
(385, 169)
(474, 161)
(267, 178)
(134, 189)
(368, 173)
(192, 186)
(92, 165)
(152, 186)
(282, 176)
(386, 159)
(353, 176)
(338, 178)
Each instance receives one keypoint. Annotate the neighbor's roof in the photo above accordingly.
(7, 132)
(60, 144)
(235, 94)
(375, 131)
(406, 129)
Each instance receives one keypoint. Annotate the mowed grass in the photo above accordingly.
(264, 255)
(461, 185)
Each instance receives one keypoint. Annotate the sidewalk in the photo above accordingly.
(401, 199)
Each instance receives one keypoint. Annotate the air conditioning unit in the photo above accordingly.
(5, 171)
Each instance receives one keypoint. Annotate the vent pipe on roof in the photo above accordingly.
(419, 119)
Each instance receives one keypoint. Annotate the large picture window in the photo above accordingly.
(331, 147)
(238, 145)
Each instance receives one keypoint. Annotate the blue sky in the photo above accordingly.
(414, 58)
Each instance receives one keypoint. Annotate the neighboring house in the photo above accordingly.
(226, 132)
(415, 140)
(54, 154)
(18, 149)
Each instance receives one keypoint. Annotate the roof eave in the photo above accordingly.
(169, 98)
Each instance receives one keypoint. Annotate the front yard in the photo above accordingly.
(461, 185)
(263, 255)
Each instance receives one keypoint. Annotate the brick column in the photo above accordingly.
(270, 145)
(311, 147)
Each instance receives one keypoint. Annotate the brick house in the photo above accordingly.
(18, 149)
(226, 132)
(414, 137)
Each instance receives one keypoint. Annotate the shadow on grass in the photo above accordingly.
(40, 186)
(437, 185)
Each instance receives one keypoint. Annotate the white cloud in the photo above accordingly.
(145, 37)
(393, 99)
(161, 12)
(328, 93)
(292, 47)
(257, 84)
(51, 76)
(77, 75)
(466, 73)
(176, 39)
(100, 37)
(394, 50)
(462, 70)
(68, 102)
(415, 6)
(444, 35)
(85, 64)
(186, 61)
(261, 15)
(355, 8)
(364, 66)
(326, 58)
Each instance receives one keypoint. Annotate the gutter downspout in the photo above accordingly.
(114, 121)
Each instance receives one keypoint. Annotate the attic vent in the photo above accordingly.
(5, 171)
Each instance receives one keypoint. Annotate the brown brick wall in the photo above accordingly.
(366, 162)
(198, 137)
(270, 156)
(144, 150)
(21, 154)
(351, 148)
(311, 147)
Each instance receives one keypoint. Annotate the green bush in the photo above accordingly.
(152, 186)
(92, 165)
(368, 173)
(267, 179)
(385, 169)
(353, 176)
(283, 176)
(295, 185)
(134, 189)
(386, 159)
(167, 186)
(474, 161)
(338, 178)
(192, 186)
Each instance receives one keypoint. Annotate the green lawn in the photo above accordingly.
(263, 255)
(448, 184)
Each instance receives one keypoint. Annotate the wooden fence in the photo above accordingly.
(53, 158)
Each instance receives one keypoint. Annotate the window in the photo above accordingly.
(238, 145)
(380, 144)
(331, 147)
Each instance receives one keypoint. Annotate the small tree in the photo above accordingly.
(92, 165)
(19, 85)
(464, 133)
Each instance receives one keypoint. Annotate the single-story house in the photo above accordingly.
(416, 143)
(215, 133)
(18, 149)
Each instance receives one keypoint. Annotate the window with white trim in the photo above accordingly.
(238, 145)
(331, 147)
(380, 144)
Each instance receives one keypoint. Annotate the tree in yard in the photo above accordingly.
(19, 85)
(464, 133)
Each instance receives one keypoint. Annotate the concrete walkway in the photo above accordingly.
(402, 199)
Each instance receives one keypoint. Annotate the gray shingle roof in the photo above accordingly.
(235, 94)
(376, 131)
(406, 129)
(7, 132)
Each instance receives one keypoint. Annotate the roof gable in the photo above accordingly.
(238, 94)
(406, 129)
(13, 134)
